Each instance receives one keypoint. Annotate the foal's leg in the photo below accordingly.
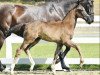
(59, 46)
(71, 44)
(27, 51)
(18, 52)
(31, 59)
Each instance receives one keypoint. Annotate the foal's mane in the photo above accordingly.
(71, 9)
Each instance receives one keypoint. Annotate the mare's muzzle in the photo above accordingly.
(92, 18)
(89, 19)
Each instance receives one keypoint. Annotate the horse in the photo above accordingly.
(60, 32)
(91, 13)
(11, 15)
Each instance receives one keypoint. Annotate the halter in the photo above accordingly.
(85, 4)
(90, 10)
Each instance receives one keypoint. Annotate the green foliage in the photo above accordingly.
(25, 67)
(48, 67)
(86, 67)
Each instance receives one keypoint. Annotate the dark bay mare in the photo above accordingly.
(60, 32)
(11, 15)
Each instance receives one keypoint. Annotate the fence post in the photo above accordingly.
(8, 51)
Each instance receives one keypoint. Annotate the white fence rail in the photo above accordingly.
(16, 39)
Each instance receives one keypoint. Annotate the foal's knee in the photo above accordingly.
(18, 51)
(26, 51)
(69, 43)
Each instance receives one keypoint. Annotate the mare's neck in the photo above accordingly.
(63, 7)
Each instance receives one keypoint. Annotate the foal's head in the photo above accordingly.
(81, 13)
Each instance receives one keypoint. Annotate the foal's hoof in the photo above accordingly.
(53, 69)
(81, 66)
(12, 73)
(54, 72)
(31, 70)
(6, 70)
(81, 63)
(67, 70)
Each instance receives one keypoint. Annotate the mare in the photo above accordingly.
(60, 32)
(11, 15)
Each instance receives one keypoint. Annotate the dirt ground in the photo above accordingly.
(39, 72)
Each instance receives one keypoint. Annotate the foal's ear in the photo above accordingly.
(80, 7)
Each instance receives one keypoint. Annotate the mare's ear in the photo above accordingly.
(80, 0)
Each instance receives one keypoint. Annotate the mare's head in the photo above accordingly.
(88, 5)
(5, 21)
(82, 13)
(5, 17)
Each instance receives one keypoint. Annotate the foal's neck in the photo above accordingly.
(70, 19)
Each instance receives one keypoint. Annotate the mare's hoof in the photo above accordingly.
(54, 72)
(66, 69)
(2, 68)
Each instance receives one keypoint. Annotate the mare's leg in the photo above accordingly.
(61, 58)
(27, 51)
(2, 38)
(71, 44)
(18, 52)
(56, 55)
(63, 54)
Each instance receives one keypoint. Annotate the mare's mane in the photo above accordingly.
(6, 8)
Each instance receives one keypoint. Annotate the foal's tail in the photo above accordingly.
(17, 29)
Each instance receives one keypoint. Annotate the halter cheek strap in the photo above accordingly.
(78, 1)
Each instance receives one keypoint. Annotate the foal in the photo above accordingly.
(59, 32)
